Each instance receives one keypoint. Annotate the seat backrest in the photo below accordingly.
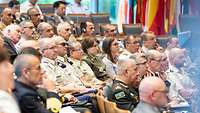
(100, 102)
(132, 29)
(109, 106)
(78, 18)
(118, 110)
(100, 18)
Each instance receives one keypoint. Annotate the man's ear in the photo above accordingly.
(25, 72)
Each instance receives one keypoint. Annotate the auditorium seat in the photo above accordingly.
(78, 18)
(109, 106)
(132, 29)
(100, 18)
(118, 110)
(46, 8)
(163, 39)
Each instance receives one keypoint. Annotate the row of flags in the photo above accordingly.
(159, 16)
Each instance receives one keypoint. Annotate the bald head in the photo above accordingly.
(177, 57)
(7, 16)
(148, 88)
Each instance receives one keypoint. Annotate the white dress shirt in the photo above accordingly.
(75, 8)
(24, 7)
(8, 103)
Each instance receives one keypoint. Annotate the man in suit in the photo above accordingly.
(12, 34)
(153, 95)
(59, 14)
(29, 76)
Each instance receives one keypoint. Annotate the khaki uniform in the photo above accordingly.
(2, 26)
(58, 73)
(84, 70)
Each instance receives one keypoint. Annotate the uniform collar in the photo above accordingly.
(47, 60)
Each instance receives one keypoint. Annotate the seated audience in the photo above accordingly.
(35, 16)
(91, 50)
(29, 75)
(123, 91)
(109, 30)
(153, 96)
(64, 30)
(111, 49)
(131, 45)
(59, 14)
(87, 29)
(28, 33)
(184, 86)
(8, 103)
(149, 41)
(6, 18)
(45, 30)
(12, 34)
(82, 68)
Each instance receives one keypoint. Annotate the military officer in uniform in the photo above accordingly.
(91, 50)
(123, 91)
(54, 71)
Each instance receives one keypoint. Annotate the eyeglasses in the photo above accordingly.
(10, 14)
(63, 44)
(53, 47)
(136, 42)
(77, 49)
(36, 15)
(68, 29)
(113, 30)
(30, 27)
(91, 28)
(115, 44)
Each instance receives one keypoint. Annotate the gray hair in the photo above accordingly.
(124, 64)
(23, 23)
(174, 52)
(45, 43)
(41, 27)
(21, 62)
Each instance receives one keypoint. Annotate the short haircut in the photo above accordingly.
(122, 65)
(145, 35)
(128, 38)
(31, 51)
(30, 11)
(88, 43)
(21, 62)
(71, 46)
(57, 3)
(12, 4)
(23, 23)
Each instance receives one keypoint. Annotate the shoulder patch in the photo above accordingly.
(120, 95)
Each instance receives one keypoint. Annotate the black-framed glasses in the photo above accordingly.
(91, 28)
(30, 27)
